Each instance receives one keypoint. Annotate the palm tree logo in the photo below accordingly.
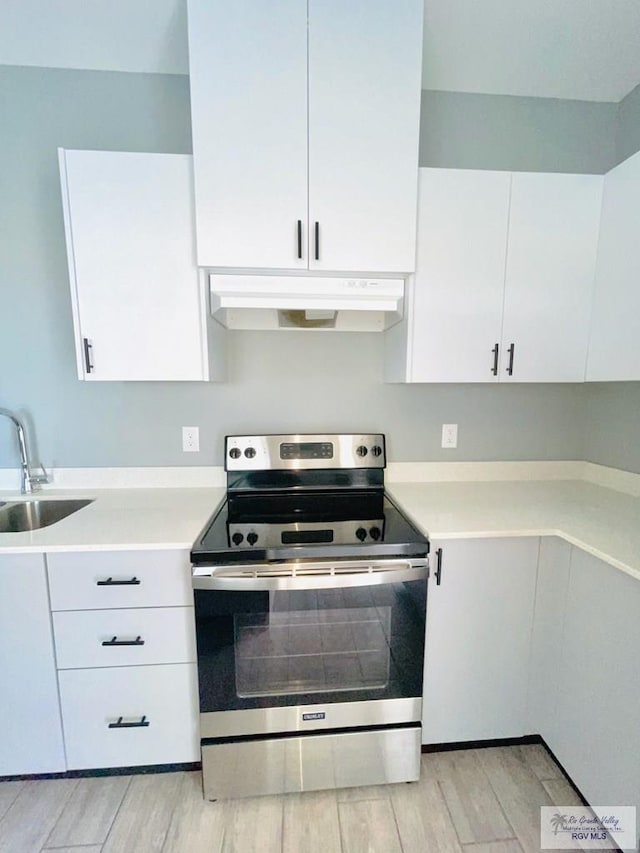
(557, 822)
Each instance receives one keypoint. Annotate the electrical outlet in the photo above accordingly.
(449, 436)
(191, 439)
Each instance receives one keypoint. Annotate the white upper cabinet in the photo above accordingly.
(248, 72)
(614, 348)
(456, 315)
(551, 260)
(138, 303)
(504, 279)
(365, 60)
(306, 121)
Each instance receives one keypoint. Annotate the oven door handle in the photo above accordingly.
(236, 581)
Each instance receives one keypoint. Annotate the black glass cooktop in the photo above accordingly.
(288, 525)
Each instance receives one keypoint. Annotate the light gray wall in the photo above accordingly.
(278, 381)
(469, 131)
(628, 125)
(612, 424)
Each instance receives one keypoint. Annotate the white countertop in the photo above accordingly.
(604, 522)
(120, 519)
(601, 521)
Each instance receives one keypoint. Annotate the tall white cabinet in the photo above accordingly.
(305, 123)
(139, 305)
(504, 279)
(30, 725)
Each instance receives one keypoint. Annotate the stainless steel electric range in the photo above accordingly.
(310, 593)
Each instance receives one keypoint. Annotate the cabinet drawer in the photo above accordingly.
(132, 637)
(94, 699)
(97, 580)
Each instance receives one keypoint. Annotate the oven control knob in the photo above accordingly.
(374, 533)
(252, 538)
(237, 538)
(250, 452)
(234, 453)
(361, 533)
(361, 450)
(376, 450)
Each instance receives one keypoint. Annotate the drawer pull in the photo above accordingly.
(114, 641)
(120, 725)
(110, 582)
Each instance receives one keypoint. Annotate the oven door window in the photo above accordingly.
(269, 649)
(307, 651)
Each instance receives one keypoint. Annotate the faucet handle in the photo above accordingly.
(39, 479)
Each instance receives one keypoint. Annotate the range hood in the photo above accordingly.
(310, 302)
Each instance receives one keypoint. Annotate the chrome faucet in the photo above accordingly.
(29, 481)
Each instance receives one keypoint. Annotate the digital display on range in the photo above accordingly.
(307, 450)
(306, 537)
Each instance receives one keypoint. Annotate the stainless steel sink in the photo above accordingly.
(31, 515)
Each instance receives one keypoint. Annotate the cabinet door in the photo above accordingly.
(30, 729)
(553, 237)
(103, 580)
(475, 684)
(248, 76)
(614, 352)
(127, 637)
(545, 670)
(95, 702)
(134, 282)
(456, 315)
(598, 738)
(365, 63)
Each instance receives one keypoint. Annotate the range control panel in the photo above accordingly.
(305, 533)
(304, 452)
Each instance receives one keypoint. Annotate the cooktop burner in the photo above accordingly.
(285, 501)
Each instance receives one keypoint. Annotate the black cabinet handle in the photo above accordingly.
(438, 572)
(114, 641)
(88, 351)
(299, 234)
(110, 582)
(142, 723)
(511, 352)
(495, 352)
(316, 240)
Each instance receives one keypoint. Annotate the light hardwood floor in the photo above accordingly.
(467, 801)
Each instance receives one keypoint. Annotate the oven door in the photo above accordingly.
(304, 646)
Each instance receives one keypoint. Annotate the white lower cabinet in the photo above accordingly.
(545, 668)
(133, 637)
(103, 711)
(597, 731)
(30, 730)
(125, 646)
(99, 580)
(479, 620)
